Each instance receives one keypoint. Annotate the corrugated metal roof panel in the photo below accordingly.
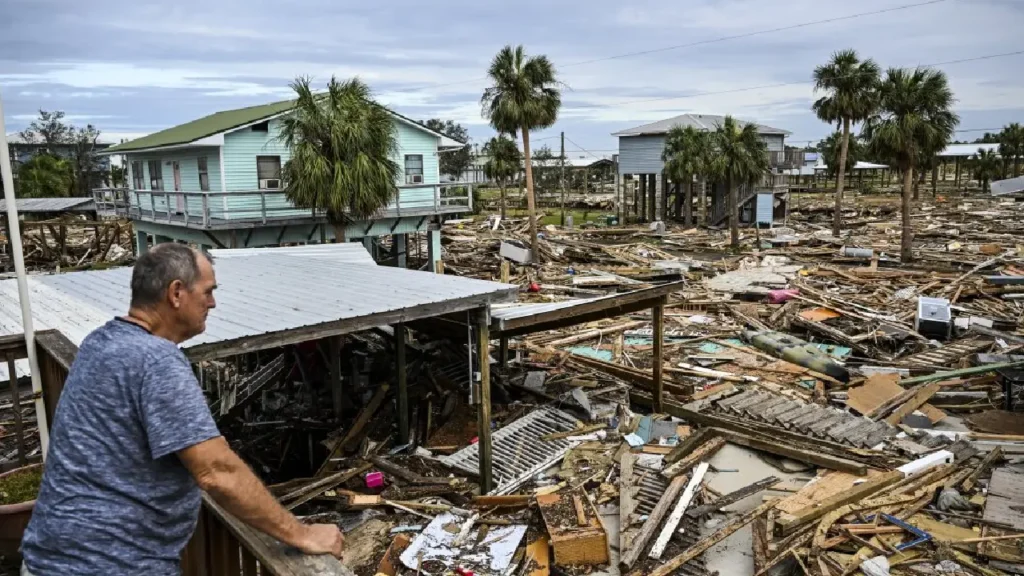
(342, 252)
(268, 292)
(967, 149)
(51, 204)
(1008, 186)
(703, 122)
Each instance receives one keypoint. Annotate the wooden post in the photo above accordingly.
(484, 432)
(403, 384)
(935, 179)
(503, 352)
(334, 357)
(504, 271)
(19, 427)
(659, 341)
(640, 208)
(957, 172)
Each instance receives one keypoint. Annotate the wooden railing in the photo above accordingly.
(212, 210)
(221, 545)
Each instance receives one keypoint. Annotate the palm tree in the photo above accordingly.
(686, 156)
(831, 149)
(503, 163)
(851, 96)
(986, 167)
(741, 158)
(1011, 145)
(523, 96)
(343, 147)
(915, 113)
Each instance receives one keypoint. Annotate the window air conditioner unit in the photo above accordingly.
(270, 184)
(415, 179)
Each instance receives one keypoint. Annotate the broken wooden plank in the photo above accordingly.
(630, 556)
(732, 497)
(780, 449)
(677, 513)
(312, 490)
(356, 430)
(704, 451)
(994, 455)
(512, 500)
(689, 444)
(791, 521)
(916, 401)
(706, 543)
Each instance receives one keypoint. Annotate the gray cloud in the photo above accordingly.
(139, 66)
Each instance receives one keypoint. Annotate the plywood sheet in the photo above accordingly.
(827, 485)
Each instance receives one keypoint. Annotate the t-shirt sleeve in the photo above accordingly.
(174, 411)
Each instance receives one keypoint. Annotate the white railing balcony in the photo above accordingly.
(219, 210)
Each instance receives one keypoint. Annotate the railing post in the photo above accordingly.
(186, 197)
(469, 192)
(152, 205)
(167, 205)
(206, 211)
(263, 205)
(437, 197)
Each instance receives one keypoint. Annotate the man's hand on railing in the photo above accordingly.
(322, 539)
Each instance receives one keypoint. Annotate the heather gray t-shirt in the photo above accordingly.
(115, 498)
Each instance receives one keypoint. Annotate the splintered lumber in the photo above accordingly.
(780, 449)
(574, 544)
(704, 451)
(706, 543)
(629, 557)
(591, 334)
(732, 497)
(916, 401)
(995, 455)
(396, 470)
(512, 500)
(677, 513)
(791, 521)
(962, 372)
(574, 432)
(356, 430)
(689, 444)
(312, 490)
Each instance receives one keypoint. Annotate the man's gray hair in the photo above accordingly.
(156, 269)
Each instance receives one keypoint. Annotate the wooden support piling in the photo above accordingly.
(659, 344)
(334, 357)
(403, 384)
(484, 432)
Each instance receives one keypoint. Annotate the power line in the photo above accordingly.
(756, 33)
(692, 44)
(800, 82)
(583, 149)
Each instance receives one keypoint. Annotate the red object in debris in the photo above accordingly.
(374, 479)
(780, 296)
(463, 572)
(534, 287)
(474, 440)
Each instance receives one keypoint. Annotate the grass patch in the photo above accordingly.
(21, 486)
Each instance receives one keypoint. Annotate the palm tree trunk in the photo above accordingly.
(531, 207)
(1016, 165)
(677, 210)
(502, 181)
(688, 202)
(844, 148)
(907, 240)
(703, 200)
(734, 213)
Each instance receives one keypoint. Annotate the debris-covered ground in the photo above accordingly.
(822, 415)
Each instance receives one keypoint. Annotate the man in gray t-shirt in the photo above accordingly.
(133, 442)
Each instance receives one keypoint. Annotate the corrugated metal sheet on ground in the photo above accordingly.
(263, 293)
(517, 449)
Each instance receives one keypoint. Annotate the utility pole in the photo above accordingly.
(562, 178)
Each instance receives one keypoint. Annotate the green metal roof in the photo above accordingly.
(224, 122)
(206, 126)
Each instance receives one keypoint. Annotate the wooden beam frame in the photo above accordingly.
(587, 311)
(659, 343)
(403, 384)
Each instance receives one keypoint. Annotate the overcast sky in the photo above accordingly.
(135, 67)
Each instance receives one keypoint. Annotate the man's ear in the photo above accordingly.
(175, 292)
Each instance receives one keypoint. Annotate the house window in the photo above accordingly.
(204, 175)
(413, 168)
(261, 127)
(138, 178)
(268, 172)
(156, 175)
